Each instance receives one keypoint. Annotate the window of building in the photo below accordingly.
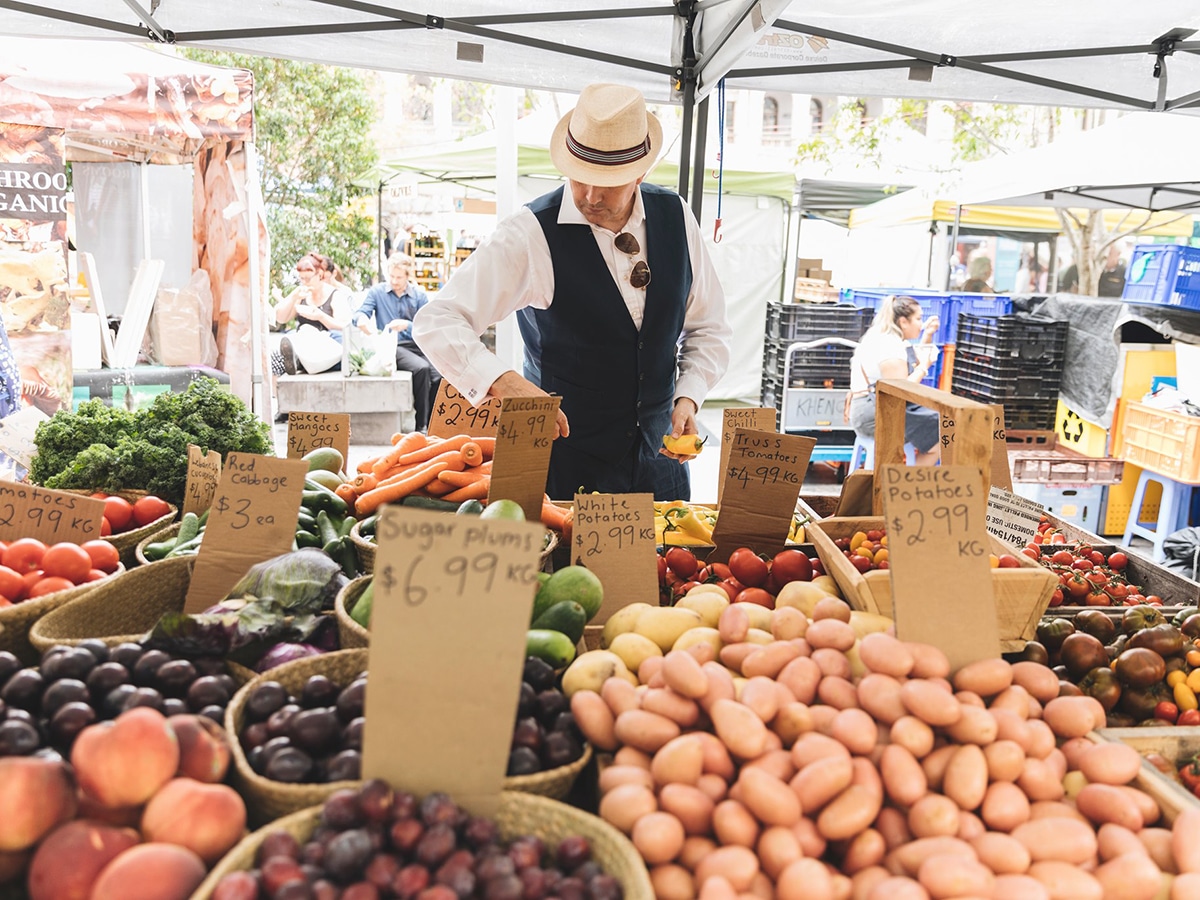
(770, 116)
(816, 114)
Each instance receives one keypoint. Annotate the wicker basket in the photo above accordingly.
(366, 550)
(351, 635)
(519, 814)
(120, 610)
(161, 535)
(20, 619)
(267, 799)
(126, 542)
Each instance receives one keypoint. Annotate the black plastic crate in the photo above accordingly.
(814, 321)
(1000, 379)
(1011, 337)
(1020, 413)
(825, 365)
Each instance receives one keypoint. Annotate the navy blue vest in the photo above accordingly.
(617, 383)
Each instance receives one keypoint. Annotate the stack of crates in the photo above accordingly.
(1017, 362)
(806, 361)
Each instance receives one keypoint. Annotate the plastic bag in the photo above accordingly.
(181, 326)
(373, 355)
(1181, 552)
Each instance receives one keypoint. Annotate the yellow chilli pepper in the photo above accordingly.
(1193, 680)
(689, 522)
(1176, 677)
(1185, 697)
(684, 445)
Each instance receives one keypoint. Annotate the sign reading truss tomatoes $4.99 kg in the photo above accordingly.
(50, 516)
(253, 518)
(453, 596)
(938, 547)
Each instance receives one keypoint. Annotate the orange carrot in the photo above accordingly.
(437, 487)
(472, 453)
(366, 464)
(398, 437)
(364, 482)
(553, 516)
(487, 445)
(452, 459)
(410, 442)
(372, 500)
(346, 492)
(461, 479)
(430, 450)
(476, 491)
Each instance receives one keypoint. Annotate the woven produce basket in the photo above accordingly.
(366, 550)
(351, 635)
(161, 535)
(19, 619)
(519, 814)
(126, 542)
(267, 799)
(119, 610)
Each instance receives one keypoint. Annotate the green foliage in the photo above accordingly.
(313, 130)
(64, 435)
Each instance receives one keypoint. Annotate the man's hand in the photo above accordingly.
(510, 384)
(683, 421)
(366, 326)
(399, 325)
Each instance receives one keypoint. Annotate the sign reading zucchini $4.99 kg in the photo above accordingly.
(452, 600)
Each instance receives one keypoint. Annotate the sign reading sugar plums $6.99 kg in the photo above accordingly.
(452, 600)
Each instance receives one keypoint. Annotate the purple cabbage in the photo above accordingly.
(285, 653)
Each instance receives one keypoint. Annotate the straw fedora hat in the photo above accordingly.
(608, 139)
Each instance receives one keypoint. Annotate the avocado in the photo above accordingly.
(552, 647)
(326, 479)
(574, 583)
(568, 617)
(327, 458)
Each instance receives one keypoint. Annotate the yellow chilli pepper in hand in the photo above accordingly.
(685, 445)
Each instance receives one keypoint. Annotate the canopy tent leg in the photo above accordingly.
(685, 136)
(260, 397)
(953, 245)
(701, 139)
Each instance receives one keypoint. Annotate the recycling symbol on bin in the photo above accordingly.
(1072, 427)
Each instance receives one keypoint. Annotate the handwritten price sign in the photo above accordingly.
(49, 516)
(614, 537)
(523, 438)
(453, 598)
(313, 430)
(753, 418)
(203, 475)
(937, 543)
(455, 414)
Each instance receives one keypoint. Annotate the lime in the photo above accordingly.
(503, 509)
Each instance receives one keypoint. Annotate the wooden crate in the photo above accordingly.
(1022, 594)
(1177, 745)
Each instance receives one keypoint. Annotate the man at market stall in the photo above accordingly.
(617, 300)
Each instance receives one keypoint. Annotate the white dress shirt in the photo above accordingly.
(512, 269)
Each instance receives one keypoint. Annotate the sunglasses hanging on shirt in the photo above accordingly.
(639, 277)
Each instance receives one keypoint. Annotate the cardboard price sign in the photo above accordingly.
(937, 545)
(253, 518)
(49, 516)
(522, 459)
(613, 535)
(455, 414)
(453, 596)
(1012, 519)
(17, 434)
(761, 483)
(755, 418)
(312, 430)
(1001, 470)
(203, 475)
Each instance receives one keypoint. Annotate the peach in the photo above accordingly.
(71, 857)
(150, 872)
(123, 763)
(35, 795)
(203, 748)
(207, 819)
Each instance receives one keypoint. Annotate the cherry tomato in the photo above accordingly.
(1077, 587)
(1008, 561)
(1189, 717)
(51, 585)
(1096, 557)
(119, 513)
(748, 567)
(24, 555)
(731, 587)
(1168, 712)
(95, 575)
(148, 509)
(818, 568)
(1062, 557)
(682, 562)
(1056, 599)
(1118, 560)
(862, 563)
(12, 585)
(757, 596)
(1031, 553)
(1083, 565)
(791, 565)
(720, 571)
(67, 560)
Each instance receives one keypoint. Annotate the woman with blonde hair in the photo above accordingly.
(979, 270)
(885, 352)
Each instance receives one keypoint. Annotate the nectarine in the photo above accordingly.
(124, 762)
(71, 857)
(35, 796)
(203, 749)
(207, 819)
(150, 872)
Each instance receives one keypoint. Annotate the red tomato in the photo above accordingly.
(1118, 560)
(1083, 565)
(119, 513)
(103, 554)
(662, 571)
(12, 585)
(51, 585)
(861, 563)
(95, 575)
(757, 596)
(98, 495)
(818, 568)
(31, 578)
(105, 527)
(1168, 712)
(1056, 599)
(719, 571)
(1189, 717)
(149, 508)
(1031, 553)
(1077, 586)
(682, 562)
(748, 567)
(1008, 561)
(24, 555)
(67, 560)
(791, 565)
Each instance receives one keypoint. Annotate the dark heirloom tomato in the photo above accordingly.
(1140, 702)
(1035, 652)
(1165, 640)
(1140, 667)
(1081, 653)
(1101, 683)
(1138, 617)
(1051, 634)
(1069, 689)
(1099, 625)
(1191, 626)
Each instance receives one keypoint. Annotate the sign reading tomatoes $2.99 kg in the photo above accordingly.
(452, 600)
(49, 516)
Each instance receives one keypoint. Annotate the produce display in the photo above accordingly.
(794, 756)
(746, 578)
(1089, 577)
(44, 708)
(29, 569)
(120, 515)
(1140, 667)
(374, 842)
(680, 524)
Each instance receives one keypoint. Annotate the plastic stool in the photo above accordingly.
(1173, 511)
(863, 454)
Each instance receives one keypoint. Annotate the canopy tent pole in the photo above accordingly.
(685, 81)
(700, 142)
(953, 244)
(260, 395)
(685, 138)
(379, 231)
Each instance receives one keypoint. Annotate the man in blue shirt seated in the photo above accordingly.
(391, 307)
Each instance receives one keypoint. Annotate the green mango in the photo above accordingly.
(361, 612)
(568, 617)
(327, 458)
(574, 583)
(552, 647)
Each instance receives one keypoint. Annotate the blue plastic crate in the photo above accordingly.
(977, 305)
(1164, 275)
(946, 306)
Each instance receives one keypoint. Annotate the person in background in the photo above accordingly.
(392, 307)
(979, 272)
(885, 351)
(1068, 280)
(1112, 278)
(617, 299)
(1031, 277)
(324, 309)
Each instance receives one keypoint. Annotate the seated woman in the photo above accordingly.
(885, 352)
(324, 308)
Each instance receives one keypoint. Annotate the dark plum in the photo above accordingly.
(24, 690)
(274, 745)
(277, 723)
(587, 871)
(375, 798)
(69, 720)
(404, 805)
(347, 854)
(256, 759)
(346, 766)
(8, 665)
(105, 677)
(255, 735)
(605, 887)
(265, 699)
(62, 692)
(144, 696)
(459, 879)
(173, 706)
(438, 892)
(550, 704)
(314, 730)
(18, 738)
(571, 889)
(503, 887)
(145, 670)
(323, 889)
(213, 712)
(319, 691)
(565, 723)
(436, 845)
(125, 654)
(560, 750)
(313, 853)
(527, 733)
(72, 662)
(538, 674)
(342, 810)
(296, 889)
(278, 843)
(350, 700)
(209, 665)
(114, 701)
(526, 701)
(572, 852)
(523, 761)
(438, 809)
(290, 765)
(493, 866)
(173, 678)
(410, 881)
(352, 734)
(96, 647)
(536, 882)
(381, 870)
(205, 691)
(480, 832)
(360, 890)
(406, 834)
(21, 715)
(237, 886)
(227, 681)
(278, 872)
(526, 851)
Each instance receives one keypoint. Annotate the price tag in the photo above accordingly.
(1012, 518)
(453, 596)
(762, 480)
(1001, 471)
(203, 474)
(756, 418)
(17, 434)
(522, 459)
(49, 516)
(454, 414)
(613, 535)
(253, 518)
(311, 430)
(938, 559)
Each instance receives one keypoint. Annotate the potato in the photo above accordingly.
(951, 875)
(737, 864)
(594, 719)
(616, 775)
(976, 726)
(856, 729)
(1110, 763)
(658, 837)
(1062, 880)
(1019, 887)
(930, 703)
(664, 701)
(805, 879)
(801, 595)
(821, 780)
(665, 624)
(1039, 782)
(830, 633)
(1005, 760)
(801, 676)
(645, 730)
(733, 624)
(1001, 853)
(679, 761)
(777, 848)
(907, 858)
(831, 662)
(1186, 886)
(760, 616)
(708, 603)
(742, 732)
(1039, 681)
(1183, 839)
(761, 695)
(985, 677)
(829, 584)
(623, 620)
(788, 623)
(695, 639)
(590, 670)
(865, 850)
(933, 816)
(1005, 806)
(904, 780)
(1157, 843)
(672, 882)
(913, 734)
(769, 798)
(928, 661)
(633, 649)
(625, 804)
(1116, 840)
(1061, 839)
(884, 654)
(1105, 803)
(879, 695)
(1069, 717)
(837, 693)
(683, 675)
(849, 813)
(769, 659)
(966, 778)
